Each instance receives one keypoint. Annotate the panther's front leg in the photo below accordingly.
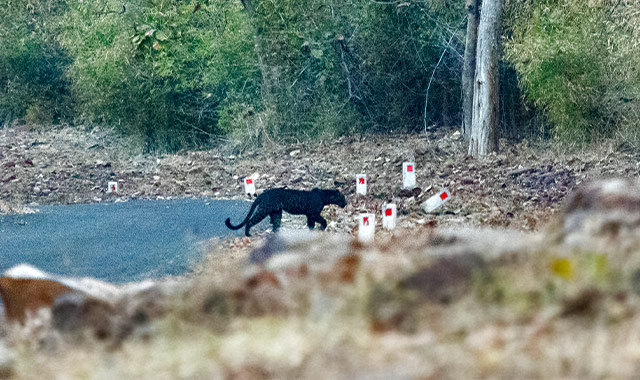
(312, 219)
(322, 221)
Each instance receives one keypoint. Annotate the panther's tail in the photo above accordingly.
(239, 226)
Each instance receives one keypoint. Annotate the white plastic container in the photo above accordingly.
(389, 213)
(249, 186)
(361, 184)
(366, 227)
(436, 201)
(112, 187)
(408, 175)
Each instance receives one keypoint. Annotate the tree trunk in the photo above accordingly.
(485, 88)
(469, 67)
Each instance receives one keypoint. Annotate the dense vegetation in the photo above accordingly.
(188, 73)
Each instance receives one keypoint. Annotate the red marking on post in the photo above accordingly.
(444, 196)
(388, 212)
(249, 181)
(409, 168)
(113, 188)
(365, 221)
(361, 180)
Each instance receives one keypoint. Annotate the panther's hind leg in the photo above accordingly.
(276, 220)
(255, 219)
(311, 222)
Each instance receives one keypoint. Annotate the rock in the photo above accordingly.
(406, 193)
(608, 194)
(290, 262)
(25, 290)
(6, 361)
(604, 208)
(446, 279)
(84, 305)
(6, 208)
(75, 312)
(23, 293)
(279, 243)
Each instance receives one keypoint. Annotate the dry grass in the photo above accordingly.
(536, 309)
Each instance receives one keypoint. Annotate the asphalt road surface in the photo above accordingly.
(117, 242)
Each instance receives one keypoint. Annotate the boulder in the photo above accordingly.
(603, 211)
(25, 289)
(6, 361)
(75, 312)
(84, 305)
(446, 279)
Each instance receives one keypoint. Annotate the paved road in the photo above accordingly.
(117, 242)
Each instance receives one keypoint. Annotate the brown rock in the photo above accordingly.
(25, 289)
(406, 193)
(603, 208)
(24, 296)
(446, 279)
(74, 312)
(609, 194)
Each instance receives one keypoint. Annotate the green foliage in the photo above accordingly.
(183, 74)
(399, 45)
(160, 70)
(304, 83)
(580, 63)
(344, 67)
(32, 64)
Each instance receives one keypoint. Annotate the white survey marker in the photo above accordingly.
(408, 175)
(436, 201)
(366, 227)
(112, 187)
(389, 213)
(249, 186)
(361, 184)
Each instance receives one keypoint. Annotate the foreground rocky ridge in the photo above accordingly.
(442, 302)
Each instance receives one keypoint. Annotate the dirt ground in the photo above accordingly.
(420, 302)
(520, 187)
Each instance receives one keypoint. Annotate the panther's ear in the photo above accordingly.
(315, 189)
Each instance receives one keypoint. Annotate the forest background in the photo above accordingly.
(192, 74)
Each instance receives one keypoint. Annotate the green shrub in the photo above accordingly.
(400, 45)
(578, 62)
(345, 67)
(159, 70)
(33, 86)
(305, 87)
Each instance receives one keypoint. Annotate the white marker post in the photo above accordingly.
(112, 187)
(249, 186)
(361, 184)
(408, 175)
(389, 216)
(366, 227)
(436, 201)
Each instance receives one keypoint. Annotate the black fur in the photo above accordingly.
(300, 202)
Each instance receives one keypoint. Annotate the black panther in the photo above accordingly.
(300, 202)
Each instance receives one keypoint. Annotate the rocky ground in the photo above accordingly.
(444, 303)
(435, 298)
(520, 187)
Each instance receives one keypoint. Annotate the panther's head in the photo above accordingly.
(334, 197)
